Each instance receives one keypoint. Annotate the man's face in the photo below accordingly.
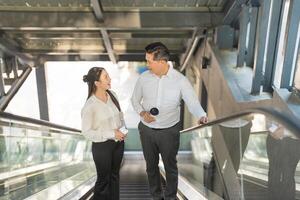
(153, 65)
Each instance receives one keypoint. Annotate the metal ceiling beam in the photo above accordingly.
(97, 8)
(98, 11)
(45, 8)
(108, 46)
(232, 10)
(10, 48)
(95, 35)
(191, 51)
(65, 21)
(78, 57)
(91, 52)
(186, 56)
(112, 8)
(162, 8)
(4, 101)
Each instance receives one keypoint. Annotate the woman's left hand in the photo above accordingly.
(119, 135)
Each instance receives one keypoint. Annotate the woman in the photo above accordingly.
(101, 121)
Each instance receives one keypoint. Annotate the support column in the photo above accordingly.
(271, 45)
(252, 34)
(242, 49)
(2, 89)
(261, 46)
(292, 46)
(42, 92)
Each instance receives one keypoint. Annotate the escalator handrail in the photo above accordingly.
(10, 116)
(289, 122)
(285, 119)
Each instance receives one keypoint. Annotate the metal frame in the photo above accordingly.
(242, 47)
(113, 20)
(10, 48)
(292, 46)
(273, 36)
(97, 8)
(252, 35)
(4, 101)
(2, 89)
(42, 92)
(191, 49)
(79, 57)
(108, 46)
(232, 10)
(261, 46)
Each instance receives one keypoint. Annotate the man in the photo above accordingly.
(156, 98)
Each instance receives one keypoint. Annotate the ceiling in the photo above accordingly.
(104, 30)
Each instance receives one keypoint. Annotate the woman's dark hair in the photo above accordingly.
(93, 75)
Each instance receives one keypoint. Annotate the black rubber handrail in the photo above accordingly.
(292, 124)
(36, 122)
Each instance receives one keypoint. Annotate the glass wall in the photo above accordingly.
(35, 158)
(251, 157)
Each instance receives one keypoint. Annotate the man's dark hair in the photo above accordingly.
(159, 50)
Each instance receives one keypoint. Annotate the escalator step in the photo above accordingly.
(134, 191)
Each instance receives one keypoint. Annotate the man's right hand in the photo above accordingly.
(203, 120)
(147, 117)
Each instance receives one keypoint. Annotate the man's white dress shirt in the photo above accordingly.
(165, 93)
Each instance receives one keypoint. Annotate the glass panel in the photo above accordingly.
(34, 159)
(252, 157)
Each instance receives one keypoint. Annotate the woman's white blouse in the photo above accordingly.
(100, 119)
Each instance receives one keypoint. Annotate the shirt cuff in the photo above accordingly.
(201, 114)
(139, 110)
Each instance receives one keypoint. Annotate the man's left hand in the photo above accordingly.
(203, 120)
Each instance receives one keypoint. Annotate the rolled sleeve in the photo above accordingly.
(137, 97)
(190, 98)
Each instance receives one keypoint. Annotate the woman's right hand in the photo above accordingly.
(119, 135)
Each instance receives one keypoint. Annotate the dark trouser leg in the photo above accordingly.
(168, 142)
(103, 159)
(151, 155)
(117, 154)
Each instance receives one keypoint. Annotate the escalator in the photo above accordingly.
(249, 155)
(133, 180)
(39, 159)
